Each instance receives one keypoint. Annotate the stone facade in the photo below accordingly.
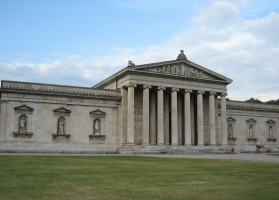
(168, 107)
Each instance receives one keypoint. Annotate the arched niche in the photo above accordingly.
(251, 130)
(231, 130)
(271, 131)
(61, 125)
(98, 127)
(23, 121)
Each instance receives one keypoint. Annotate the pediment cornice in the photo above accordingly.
(179, 68)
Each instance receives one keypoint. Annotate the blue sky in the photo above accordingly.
(82, 42)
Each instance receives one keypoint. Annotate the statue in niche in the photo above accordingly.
(230, 131)
(22, 125)
(270, 132)
(61, 126)
(130, 63)
(164, 69)
(250, 131)
(97, 128)
(181, 56)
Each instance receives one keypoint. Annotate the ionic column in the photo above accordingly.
(166, 119)
(224, 120)
(200, 118)
(130, 120)
(145, 115)
(160, 115)
(212, 118)
(174, 126)
(187, 117)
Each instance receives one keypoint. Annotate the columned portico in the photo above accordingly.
(131, 108)
(187, 118)
(145, 115)
(200, 118)
(212, 118)
(224, 120)
(160, 115)
(174, 125)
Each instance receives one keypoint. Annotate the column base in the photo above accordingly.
(213, 145)
(223, 145)
(176, 144)
(130, 144)
(187, 144)
(145, 144)
(200, 145)
(160, 144)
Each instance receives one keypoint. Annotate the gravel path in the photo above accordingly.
(243, 156)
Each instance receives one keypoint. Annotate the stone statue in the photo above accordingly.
(168, 69)
(181, 56)
(251, 131)
(97, 129)
(230, 131)
(270, 132)
(173, 69)
(164, 69)
(131, 64)
(22, 125)
(61, 127)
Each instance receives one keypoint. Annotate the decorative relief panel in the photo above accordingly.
(180, 69)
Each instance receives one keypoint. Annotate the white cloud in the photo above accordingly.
(245, 51)
(73, 57)
(218, 15)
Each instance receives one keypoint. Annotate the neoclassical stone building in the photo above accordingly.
(175, 106)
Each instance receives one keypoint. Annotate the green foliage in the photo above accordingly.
(273, 101)
(254, 100)
(259, 101)
(128, 177)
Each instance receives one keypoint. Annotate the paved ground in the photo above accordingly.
(243, 156)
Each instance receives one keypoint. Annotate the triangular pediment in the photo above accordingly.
(23, 108)
(230, 119)
(251, 120)
(183, 68)
(62, 110)
(98, 112)
(270, 122)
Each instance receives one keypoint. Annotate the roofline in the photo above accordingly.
(160, 63)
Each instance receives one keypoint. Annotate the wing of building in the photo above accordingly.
(175, 106)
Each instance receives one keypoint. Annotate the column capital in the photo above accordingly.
(175, 89)
(147, 86)
(224, 94)
(131, 85)
(186, 91)
(161, 88)
(200, 92)
(212, 93)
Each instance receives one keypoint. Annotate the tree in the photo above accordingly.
(254, 100)
(273, 101)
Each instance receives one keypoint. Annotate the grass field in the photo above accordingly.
(125, 177)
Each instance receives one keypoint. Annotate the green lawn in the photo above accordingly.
(124, 177)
